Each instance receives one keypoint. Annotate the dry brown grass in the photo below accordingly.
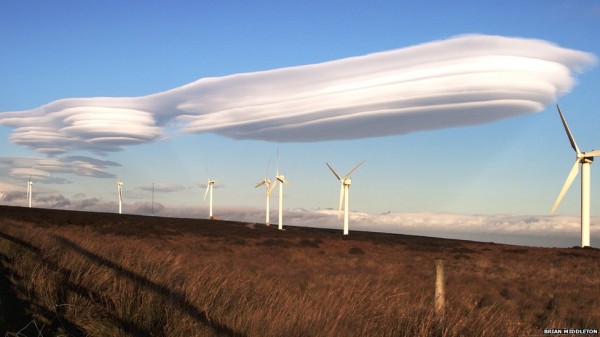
(107, 275)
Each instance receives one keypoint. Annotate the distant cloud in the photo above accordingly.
(465, 80)
(43, 169)
(163, 188)
(53, 201)
(10, 197)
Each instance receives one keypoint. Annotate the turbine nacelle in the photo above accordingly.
(281, 178)
(588, 155)
(209, 187)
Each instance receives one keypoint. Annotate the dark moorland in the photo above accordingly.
(67, 273)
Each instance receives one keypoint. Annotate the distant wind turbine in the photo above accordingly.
(29, 190)
(344, 192)
(209, 190)
(152, 198)
(281, 179)
(269, 189)
(585, 159)
(120, 195)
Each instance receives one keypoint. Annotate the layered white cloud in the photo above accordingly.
(464, 80)
(46, 169)
(94, 124)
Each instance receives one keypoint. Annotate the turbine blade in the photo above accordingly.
(569, 134)
(567, 184)
(594, 153)
(206, 193)
(283, 180)
(334, 173)
(260, 184)
(341, 200)
(271, 186)
(268, 165)
(354, 170)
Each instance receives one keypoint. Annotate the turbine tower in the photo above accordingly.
(152, 198)
(269, 189)
(281, 179)
(120, 195)
(344, 192)
(209, 187)
(585, 159)
(29, 190)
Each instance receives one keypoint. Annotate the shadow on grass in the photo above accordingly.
(175, 297)
(62, 326)
(13, 314)
(17, 313)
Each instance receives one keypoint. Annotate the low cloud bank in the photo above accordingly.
(465, 80)
(560, 231)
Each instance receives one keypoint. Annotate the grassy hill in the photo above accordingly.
(80, 273)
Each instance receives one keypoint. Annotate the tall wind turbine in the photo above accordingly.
(585, 159)
(120, 195)
(344, 192)
(269, 189)
(281, 179)
(209, 188)
(29, 190)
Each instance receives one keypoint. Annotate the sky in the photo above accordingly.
(450, 105)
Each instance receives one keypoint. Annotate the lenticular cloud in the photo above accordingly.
(464, 80)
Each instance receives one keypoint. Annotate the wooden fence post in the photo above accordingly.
(440, 293)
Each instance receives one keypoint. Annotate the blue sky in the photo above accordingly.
(516, 166)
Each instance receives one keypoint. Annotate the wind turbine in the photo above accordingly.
(269, 189)
(29, 190)
(281, 179)
(120, 194)
(585, 159)
(152, 198)
(209, 187)
(344, 192)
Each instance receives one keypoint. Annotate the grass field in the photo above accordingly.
(93, 274)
